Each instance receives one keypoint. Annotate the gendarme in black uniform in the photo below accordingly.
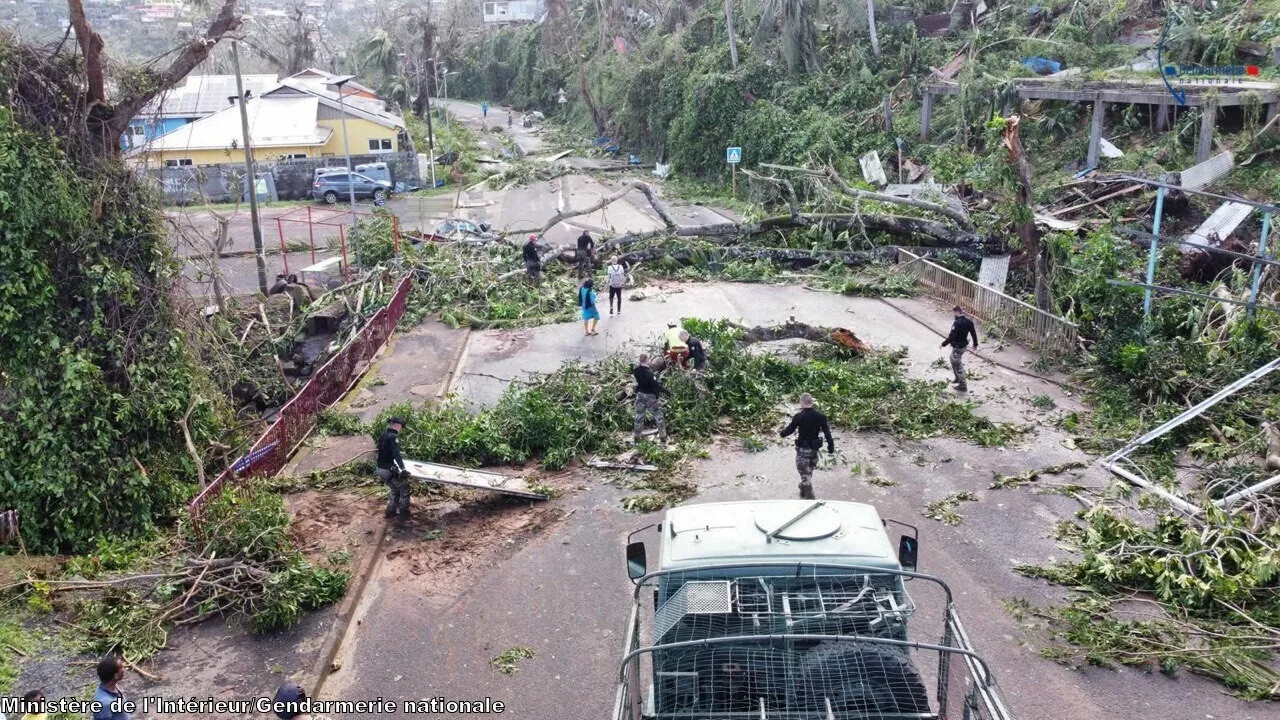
(391, 469)
(961, 330)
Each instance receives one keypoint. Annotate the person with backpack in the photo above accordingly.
(617, 279)
(587, 302)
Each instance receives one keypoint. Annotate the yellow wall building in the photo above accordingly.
(301, 118)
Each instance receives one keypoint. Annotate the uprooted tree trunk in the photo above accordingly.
(792, 330)
(1027, 231)
(108, 121)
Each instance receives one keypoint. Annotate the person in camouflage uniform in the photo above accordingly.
(961, 330)
(391, 469)
(648, 390)
(810, 423)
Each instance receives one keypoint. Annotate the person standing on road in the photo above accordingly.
(510, 118)
(587, 303)
(110, 673)
(586, 253)
(617, 279)
(961, 330)
(484, 108)
(532, 263)
(697, 353)
(809, 422)
(648, 391)
(391, 469)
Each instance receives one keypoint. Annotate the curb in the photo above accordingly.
(451, 377)
(321, 668)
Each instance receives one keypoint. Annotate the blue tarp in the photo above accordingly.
(1042, 66)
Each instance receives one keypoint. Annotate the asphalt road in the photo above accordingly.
(563, 590)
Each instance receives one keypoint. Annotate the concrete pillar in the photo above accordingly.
(926, 115)
(1208, 121)
(888, 114)
(1162, 118)
(1273, 109)
(1095, 133)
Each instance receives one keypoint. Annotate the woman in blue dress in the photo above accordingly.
(587, 302)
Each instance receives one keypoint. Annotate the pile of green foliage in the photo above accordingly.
(1214, 584)
(582, 409)
(1144, 372)
(241, 565)
(95, 372)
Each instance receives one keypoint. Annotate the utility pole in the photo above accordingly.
(733, 42)
(871, 24)
(251, 178)
(431, 135)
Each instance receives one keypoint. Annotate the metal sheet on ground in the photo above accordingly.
(1221, 223)
(471, 479)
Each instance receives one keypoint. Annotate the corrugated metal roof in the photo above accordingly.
(371, 110)
(273, 122)
(1221, 223)
(1211, 170)
(205, 95)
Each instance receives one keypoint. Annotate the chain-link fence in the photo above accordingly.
(298, 416)
(798, 642)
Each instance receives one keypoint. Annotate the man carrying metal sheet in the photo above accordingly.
(391, 469)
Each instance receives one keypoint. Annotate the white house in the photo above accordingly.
(507, 12)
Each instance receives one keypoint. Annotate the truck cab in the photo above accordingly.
(790, 609)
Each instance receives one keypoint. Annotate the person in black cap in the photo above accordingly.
(289, 702)
(961, 330)
(391, 469)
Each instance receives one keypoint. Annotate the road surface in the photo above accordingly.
(430, 631)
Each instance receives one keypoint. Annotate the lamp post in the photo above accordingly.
(346, 148)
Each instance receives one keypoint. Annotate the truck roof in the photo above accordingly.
(736, 532)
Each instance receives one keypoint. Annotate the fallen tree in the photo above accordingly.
(603, 202)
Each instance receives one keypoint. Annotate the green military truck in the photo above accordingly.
(792, 610)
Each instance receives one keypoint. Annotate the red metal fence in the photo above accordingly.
(325, 387)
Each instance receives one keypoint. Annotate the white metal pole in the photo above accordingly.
(351, 181)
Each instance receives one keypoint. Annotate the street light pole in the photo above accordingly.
(346, 147)
(251, 179)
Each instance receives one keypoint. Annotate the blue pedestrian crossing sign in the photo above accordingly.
(733, 155)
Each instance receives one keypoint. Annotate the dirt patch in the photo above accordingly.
(506, 344)
(328, 522)
(447, 539)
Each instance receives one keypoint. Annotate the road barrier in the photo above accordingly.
(298, 416)
(1002, 315)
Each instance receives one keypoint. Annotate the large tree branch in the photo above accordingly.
(91, 47)
(633, 185)
(844, 187)
(194, 52)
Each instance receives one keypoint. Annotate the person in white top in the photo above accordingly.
(617, 279)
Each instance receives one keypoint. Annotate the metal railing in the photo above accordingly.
(298, 416)
(1003, 315)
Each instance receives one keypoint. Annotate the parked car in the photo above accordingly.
(462, 229)
(332, 187)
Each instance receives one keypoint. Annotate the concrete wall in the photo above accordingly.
(293, 178)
